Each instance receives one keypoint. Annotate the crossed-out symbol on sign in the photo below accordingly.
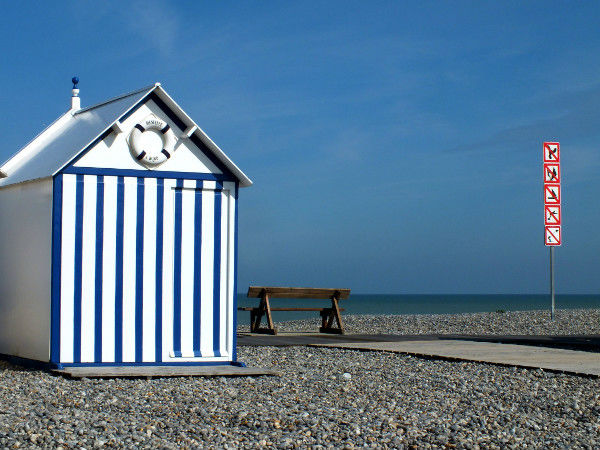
(552, 194)
(551, 173)
(552, 235)
(552, 152)
(552, 214)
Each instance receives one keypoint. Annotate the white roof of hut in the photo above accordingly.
(74, 131)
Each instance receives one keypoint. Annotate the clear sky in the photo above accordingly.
(395, 147)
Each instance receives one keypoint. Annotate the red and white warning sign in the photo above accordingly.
(552, 214)
(552, 235)
(551, 173)
(552, 200)
(552, 194)
(551, 152)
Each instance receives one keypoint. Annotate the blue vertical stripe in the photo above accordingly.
(139, 272)
(197, 308)
(99, 268)
(57, 193)
(235, 265)
(138, 319)
(78, 269)
(217, 272)
(119, 271)
(177, 271)
(160, 206)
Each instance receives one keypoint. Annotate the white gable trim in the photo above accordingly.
(180, 113)
(98, 105)
(63, 139)
(22, 167)
(26, 151)
(235, 170)
(108, 129)
(114, 151)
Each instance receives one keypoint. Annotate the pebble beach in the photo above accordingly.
(325, 398)
(567, 321)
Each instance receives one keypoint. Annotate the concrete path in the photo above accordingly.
(589, 343)
(568, 361)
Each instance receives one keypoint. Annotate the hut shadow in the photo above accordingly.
(6, 365)
(9, 363)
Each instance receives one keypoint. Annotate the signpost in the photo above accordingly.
(552, 206)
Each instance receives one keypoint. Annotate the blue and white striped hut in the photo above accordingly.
(118, 238)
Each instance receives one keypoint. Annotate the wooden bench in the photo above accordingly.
(266, 293)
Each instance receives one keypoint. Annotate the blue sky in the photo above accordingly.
(395, 146)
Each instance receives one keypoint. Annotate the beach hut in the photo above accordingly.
(118, 238)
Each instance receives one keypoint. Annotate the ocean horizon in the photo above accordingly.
(380, 304)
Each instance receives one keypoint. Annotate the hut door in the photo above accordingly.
(200, 250)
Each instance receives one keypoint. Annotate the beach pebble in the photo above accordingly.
(392, 400)
(567, 321)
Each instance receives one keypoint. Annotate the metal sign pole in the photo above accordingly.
(552, 281)
(552, 206)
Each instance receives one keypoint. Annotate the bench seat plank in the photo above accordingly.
(297, 292)
(253, 308)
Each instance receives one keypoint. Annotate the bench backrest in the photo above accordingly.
(297, 292)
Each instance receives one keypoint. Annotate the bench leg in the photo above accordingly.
(255, 319)
(269, 317)
(329, 315)
(258, 315)
(264, 309)
(324, 317)
(252, 314)
(338, 316)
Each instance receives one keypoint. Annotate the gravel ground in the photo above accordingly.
(325, 398)
(567, 321)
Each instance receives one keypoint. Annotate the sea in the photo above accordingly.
(424, 304)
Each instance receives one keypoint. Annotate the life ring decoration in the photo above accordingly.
(152, 141)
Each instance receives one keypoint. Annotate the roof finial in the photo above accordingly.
(75, 100)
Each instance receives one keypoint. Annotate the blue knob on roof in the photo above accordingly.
(75, 81)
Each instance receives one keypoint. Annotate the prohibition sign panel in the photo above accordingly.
(551, 173)
(552, 214)
(552, 235)
(552, 194)
(551, 152)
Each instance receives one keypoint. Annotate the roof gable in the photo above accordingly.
(112, 150)
(64, 139)
(75, 133)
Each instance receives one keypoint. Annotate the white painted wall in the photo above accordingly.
(113, 152)
(25, 269)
